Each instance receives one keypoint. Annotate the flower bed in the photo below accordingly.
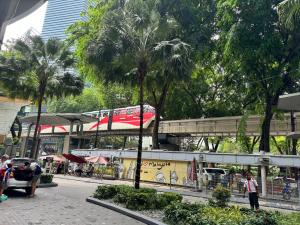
(176, 212)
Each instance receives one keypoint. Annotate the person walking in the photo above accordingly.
(251, 186)
(37, 171)
(3, 168)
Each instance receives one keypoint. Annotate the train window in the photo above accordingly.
(105, 114)
(117, 112)
(129, 111)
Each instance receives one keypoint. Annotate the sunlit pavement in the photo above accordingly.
(62, 205)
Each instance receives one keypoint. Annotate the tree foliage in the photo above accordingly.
(258, 53)
(34, 69)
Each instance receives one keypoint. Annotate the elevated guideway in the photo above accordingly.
(207, 127)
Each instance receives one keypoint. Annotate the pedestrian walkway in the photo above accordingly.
(188, 193)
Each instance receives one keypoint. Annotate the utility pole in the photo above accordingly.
(97, 131)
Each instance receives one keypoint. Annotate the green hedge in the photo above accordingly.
(203, 214)
(136, 199)
(46, 178)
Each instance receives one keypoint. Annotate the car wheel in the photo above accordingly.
(28, 190)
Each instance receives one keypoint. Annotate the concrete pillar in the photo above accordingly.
(66, 144)
(200, 174)
(263, 181)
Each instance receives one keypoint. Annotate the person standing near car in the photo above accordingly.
(250, 185)
(37, 171)
(3, 168)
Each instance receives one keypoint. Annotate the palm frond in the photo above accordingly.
(289, 14)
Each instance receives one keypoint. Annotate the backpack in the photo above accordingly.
(37, 170)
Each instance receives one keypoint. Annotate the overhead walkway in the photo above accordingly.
(226, 126)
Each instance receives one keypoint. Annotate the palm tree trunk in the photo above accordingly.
(140, 145)
(33, 153)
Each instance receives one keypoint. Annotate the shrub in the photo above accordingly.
(123, 194)
(140, 201)
(165, 199)
(232, 215)
(180, 213)
(221, 196)
(199, 219)
(46, 178)
(145, 190)
(288, 219)
(261, 218)
(106, 191)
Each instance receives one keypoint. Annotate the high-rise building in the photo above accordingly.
(60, 15)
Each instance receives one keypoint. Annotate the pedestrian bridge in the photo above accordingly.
(227, 126)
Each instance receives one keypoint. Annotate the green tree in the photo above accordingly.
(122, 47)
(289, 13)
(34, 69)
(257, 53)
(174, 66)
(88, 100)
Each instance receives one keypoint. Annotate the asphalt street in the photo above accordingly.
(62, 205)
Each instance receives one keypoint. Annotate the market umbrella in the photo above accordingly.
(74, 158)
(97, 159)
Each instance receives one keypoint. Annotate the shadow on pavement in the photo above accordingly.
(15, 193)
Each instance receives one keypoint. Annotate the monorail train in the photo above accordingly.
(112, 119)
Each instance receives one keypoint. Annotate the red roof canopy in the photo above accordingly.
(74, 158)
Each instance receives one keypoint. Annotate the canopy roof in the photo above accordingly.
(12, 10)
(59, 119)
(74, 158)
(290, 102)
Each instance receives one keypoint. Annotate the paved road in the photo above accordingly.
(62, 205)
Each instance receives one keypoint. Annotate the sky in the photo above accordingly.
(33, 21)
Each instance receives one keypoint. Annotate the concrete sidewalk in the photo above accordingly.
(190, 194)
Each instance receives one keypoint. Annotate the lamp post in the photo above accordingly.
(97, 131)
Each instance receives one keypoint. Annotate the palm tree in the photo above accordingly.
(174, 66)
(34, 69)
(124, 50)
(289, 13)
(125, 47)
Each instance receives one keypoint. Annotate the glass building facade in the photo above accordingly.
(60, 15)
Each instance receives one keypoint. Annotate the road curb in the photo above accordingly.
(53, 184)
(126, 212)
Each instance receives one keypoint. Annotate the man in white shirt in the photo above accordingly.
(251, 186)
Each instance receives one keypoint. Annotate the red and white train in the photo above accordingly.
(112, 119)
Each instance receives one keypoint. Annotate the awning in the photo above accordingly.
(74, 158)
(97, 159)
(59, 119)
(290, 102)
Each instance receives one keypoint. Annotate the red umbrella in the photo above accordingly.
(74, 158)
(97, 159)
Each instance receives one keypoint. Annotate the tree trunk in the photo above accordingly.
(264, 144)
(293, 129)
(158, 111)
(37, 124)
(140, 145)
(155, 142)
